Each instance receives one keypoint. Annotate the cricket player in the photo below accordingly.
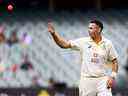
(95, 52)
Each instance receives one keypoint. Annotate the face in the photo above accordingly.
(94, 30)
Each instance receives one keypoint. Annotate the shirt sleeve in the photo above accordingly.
(112, 53)
(76, 44)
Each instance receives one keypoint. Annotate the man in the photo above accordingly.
(95, 51)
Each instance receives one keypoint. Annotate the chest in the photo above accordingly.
(93, 50)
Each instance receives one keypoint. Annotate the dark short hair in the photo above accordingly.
(97, 22)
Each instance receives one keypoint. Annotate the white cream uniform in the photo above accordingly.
(93, 71)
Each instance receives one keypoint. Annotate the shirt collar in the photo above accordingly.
(102, 41)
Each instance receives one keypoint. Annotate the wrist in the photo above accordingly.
(113, 74)
(53, 32)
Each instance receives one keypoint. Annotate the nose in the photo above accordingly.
(91, 31)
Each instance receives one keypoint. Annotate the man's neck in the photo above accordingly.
(97, 39)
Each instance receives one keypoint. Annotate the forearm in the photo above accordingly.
(114, 68)
(115, 65)
(60, 41)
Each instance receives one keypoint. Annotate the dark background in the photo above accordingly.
(58, 5)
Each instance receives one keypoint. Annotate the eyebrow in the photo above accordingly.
(92, 27)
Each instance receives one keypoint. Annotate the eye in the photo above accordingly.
(90, 28)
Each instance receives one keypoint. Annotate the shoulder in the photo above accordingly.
(78, 42)
(108, 42)
(83, 39)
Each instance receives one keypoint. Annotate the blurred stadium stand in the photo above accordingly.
(50, 61)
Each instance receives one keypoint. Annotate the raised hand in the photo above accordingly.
(51, 28)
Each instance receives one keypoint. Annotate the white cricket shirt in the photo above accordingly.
(94, 56)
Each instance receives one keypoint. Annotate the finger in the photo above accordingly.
(109, 84)
(50, 24)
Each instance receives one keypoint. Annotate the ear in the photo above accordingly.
(99, 30)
